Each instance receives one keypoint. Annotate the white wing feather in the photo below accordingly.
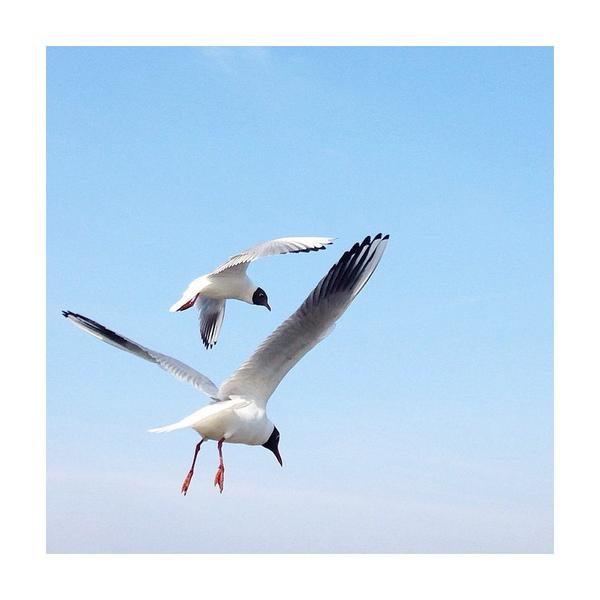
(173, 366)
(285, 245)
(211, 319)
(258, 377)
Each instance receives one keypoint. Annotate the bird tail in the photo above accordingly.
(184, 303)
(189, 297)
(166, 428)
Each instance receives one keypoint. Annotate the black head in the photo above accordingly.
(260, 297)
(272, 444)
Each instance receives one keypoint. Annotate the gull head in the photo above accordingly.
(272, 444)
(260, 297)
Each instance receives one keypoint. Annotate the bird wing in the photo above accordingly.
(258, 377)
(171, 365)
(211, 318)
(285, 245)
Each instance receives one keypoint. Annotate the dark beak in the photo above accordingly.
(272, 444)
(278, 456)
(267, 305)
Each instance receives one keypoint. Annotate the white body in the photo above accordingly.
(228, 285)
(237, 421)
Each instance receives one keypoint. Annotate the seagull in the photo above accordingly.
(229, 281)
(237, 412)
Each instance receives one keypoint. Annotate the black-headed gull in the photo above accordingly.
(237, 413)
(230, 282)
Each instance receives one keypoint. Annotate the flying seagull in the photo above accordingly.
(229, 281)
(237, 412)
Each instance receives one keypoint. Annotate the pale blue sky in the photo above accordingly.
(424, 422)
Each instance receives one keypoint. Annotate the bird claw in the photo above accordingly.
(186, 483)
(220, 478)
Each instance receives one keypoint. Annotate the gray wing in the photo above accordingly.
(211, 318)
(285, 245)
(171, 365)
(258, 377)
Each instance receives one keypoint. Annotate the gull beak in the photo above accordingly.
(272, 444)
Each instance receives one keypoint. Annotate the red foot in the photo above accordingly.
(220, 478)
(186, 483)
(188, 304)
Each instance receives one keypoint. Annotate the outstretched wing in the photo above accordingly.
(285, 245)
(211, 318)
(171, 365)
(258, 377)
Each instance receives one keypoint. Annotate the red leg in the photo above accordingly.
(188, 479)
(188, 304)
(220, 476)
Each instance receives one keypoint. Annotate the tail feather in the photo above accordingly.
(167, 428)
(189, 297)
(183, 303)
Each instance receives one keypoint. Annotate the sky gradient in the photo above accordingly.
(424, 422)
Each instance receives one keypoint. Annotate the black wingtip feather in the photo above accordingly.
(207, 332)
(308, 249)
(348, 269)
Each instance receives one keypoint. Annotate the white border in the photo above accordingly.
(31, 26)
